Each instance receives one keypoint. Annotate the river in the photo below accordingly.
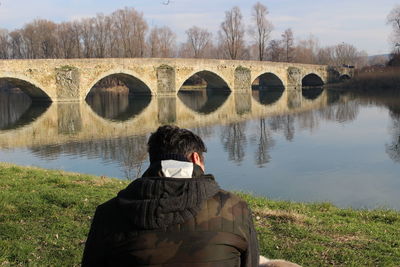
(318, 145)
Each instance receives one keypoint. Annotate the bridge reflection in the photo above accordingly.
(78, 129)
(117, 106)
(312, 93)
(203, 101)
(17, 109)
(115, 115)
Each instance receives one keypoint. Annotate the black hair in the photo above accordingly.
(172, 142)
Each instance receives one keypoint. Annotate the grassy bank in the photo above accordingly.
(45, 216)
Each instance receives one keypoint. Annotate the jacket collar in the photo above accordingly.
(173, 169)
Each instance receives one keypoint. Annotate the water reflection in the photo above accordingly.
(264, 143)
(203, 101)
(117, 105)
(393, 148)
(244, 136)
(242, 103)
(234, 140)
(166, 110)
(130, 152)
(17, 109)
(69, 118)
(312, 93)
(267, 97)
(341, 112)
(284, 124)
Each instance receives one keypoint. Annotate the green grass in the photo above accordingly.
(45, 216)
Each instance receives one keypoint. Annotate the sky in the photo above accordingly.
(361, 23)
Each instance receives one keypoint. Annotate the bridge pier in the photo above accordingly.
(293, 79)
(242, 80)
(67, 84)
(166, 80)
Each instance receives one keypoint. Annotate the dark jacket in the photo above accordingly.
(162, 221)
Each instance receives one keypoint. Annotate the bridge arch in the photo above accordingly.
(344, 77)
(29, 87)
(267, 88)
(135, 84)
(312, 79)
(213, 80)
(268, 80)
(274, 77)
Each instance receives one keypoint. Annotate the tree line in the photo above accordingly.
(126, 33)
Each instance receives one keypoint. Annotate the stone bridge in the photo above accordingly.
(63, 80)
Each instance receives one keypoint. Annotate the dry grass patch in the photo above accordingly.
(280, 215)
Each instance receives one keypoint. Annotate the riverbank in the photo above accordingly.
(45, 216)
(374, 80)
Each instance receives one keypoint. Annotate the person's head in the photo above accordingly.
(173, 142)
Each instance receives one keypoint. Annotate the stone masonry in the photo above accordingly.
(65, 80)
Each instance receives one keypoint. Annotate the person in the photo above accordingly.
(174, 215)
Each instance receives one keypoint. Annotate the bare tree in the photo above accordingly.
(161, 42)
(232, 33)
(288, 45)
(393, 19)
(307, 50)
(30, 39)
(102, 31)
(76, 33)
(345, 54)
(167, 40)
(87, 36)
(130, 32)
(185, 50)
(198, 39)
(276, 51)
(326, 55)
(18, 49)
(47, 38)
(4, 44)
(263, 29)
(65, 40)
(153, 43)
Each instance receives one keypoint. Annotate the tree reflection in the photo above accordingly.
(265, 143)
(129, 152)
(342, 112)
(308, 120)
(393, 148)
(284, 123)
(133, 157)
(234, 140)
(204, 131)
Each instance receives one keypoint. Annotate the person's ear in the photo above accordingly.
(196, 159)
